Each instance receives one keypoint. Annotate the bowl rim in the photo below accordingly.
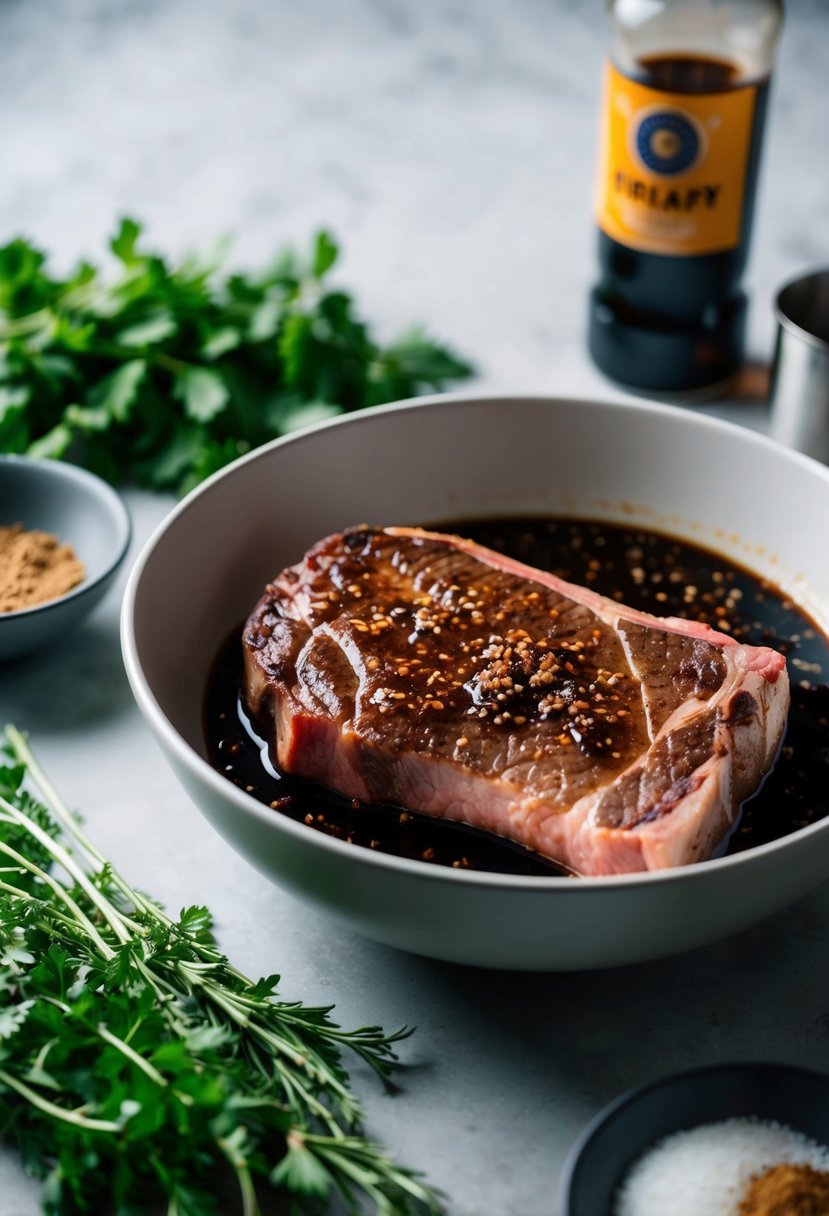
(105, 494)
(202, 770)
(630, 1097)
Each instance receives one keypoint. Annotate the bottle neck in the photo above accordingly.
(740, 35)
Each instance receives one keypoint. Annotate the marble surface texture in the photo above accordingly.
(450, 144)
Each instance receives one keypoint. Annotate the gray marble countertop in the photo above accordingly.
(450, 145)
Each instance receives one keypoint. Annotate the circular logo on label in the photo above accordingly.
(667, 142)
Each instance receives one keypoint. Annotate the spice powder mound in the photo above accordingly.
(34, 568)
(714, 1168)
(787, 1190)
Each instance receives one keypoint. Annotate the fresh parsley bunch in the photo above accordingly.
(135, 1060)
(162, 374)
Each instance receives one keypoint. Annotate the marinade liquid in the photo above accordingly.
(645, 570)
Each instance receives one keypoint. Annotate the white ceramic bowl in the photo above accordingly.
(452, 457)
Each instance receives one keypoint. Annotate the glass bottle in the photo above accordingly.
(685, 98)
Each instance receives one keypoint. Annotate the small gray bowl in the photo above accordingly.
(82, 511)
(780, 1093)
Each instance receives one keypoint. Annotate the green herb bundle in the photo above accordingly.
(160, 375)
(135, 1061)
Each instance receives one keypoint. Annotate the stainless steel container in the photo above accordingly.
(799, 393)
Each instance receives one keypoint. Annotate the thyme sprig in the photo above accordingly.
(135, 1060)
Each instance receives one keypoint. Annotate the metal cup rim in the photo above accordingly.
(786, 322)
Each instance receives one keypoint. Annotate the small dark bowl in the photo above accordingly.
(796, 1097)
(82, 511)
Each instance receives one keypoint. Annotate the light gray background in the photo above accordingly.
(450, 145)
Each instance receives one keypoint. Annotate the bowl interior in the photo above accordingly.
(455, 458)
(798, 1098)
(78, 508)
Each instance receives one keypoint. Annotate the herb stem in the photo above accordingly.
(118, 921)
(139, 1061)
(24, 754)
(250, 1206)
(57, 1112)
(110, 914)
(55, 915)
(60, 892)
(19, 327)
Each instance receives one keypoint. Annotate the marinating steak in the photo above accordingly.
(409, 667)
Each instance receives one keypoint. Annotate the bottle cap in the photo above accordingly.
(661, 355)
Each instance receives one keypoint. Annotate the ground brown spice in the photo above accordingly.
(34, 568)
(787, 1190)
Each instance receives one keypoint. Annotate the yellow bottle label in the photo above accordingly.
(672, 166)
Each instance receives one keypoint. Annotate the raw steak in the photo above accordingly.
(403, 666)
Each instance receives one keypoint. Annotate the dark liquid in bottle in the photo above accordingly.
(698, 295)
(687, 74)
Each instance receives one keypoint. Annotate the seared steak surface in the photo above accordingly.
(409, 667)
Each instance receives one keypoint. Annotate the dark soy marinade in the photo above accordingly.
(646, 570)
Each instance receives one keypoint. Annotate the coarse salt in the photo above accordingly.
(705, 1170)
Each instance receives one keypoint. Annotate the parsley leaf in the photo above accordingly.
(159, 374)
